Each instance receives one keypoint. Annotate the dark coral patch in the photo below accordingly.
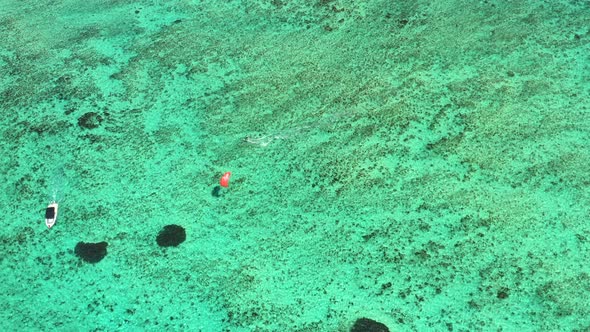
(91, 252)
(502, 293)
(171, 236)
(368, 325)
(90, 120)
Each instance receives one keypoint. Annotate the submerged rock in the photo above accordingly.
(368, 325)
(171, 236)
(91, 252)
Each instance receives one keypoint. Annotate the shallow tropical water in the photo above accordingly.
(422, 164)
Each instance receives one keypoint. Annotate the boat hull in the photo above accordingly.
(51, 215)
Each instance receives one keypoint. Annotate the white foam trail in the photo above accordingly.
(57, 184)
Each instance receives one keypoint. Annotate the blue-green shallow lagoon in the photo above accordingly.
(422, 164)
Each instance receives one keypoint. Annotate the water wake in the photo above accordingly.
(57, 184)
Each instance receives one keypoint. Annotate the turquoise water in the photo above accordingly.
(421, 164)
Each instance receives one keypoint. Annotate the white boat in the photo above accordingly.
(51, 214)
